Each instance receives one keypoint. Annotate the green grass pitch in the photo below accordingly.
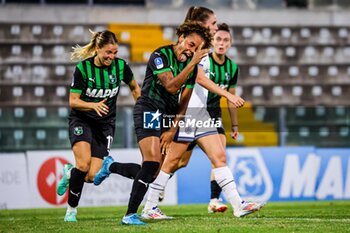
(274, 217)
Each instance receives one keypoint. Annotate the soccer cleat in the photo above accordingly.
(248, 208)
(154, 213)
(132, 219)
(104, 172)
(64, 182)
(216, 205)
(70, 217)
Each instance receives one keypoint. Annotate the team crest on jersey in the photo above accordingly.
(158, 62)
(112, 79)
(78, 130)
(227, 76)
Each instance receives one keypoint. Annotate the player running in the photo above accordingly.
(93, 95)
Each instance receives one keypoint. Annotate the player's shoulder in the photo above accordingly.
(83, 64)
(163, 50)
(206, 58)
(86, 60)
(230, 60)
(205, 61)
(119, 60)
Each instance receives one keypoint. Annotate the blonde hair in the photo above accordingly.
(98, 40)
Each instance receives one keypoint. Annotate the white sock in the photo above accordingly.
(155, 189)
(71, 209)
(224, 178)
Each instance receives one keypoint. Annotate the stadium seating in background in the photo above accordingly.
(38, 127)
(280, 67)
(142, 38)
(321, 126)
(253, 132)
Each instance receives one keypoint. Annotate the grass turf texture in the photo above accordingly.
(274, 217)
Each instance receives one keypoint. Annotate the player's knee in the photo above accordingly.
(219, 159)
(83, 165)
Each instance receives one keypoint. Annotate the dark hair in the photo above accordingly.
(98, 40)
(224, 27)
(198, 13)
(187, 28)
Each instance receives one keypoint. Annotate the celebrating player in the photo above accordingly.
(168, 68)
(93, 95)
(208, 139)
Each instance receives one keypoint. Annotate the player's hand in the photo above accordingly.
(165, 141)
(236, 100)
(199, 54)
(234, 134)
(101, 108)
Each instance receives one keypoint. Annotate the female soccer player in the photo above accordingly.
(208, 139)
(168, 69)
(93, 95)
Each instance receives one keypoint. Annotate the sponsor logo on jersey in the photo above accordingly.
(210, 73)
(158, 62)
(102, 93)
(151, 120)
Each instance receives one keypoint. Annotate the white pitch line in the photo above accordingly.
(307, 219)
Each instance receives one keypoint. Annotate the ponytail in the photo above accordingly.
(98, 40)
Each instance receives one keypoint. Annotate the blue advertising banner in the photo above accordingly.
(333, 174)
(272, 174)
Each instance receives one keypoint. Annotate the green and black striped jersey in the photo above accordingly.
(162, 60)
(95, 83)
(224, 75)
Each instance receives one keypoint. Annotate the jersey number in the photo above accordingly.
(109, 142)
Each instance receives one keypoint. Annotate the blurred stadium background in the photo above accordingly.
(294, 59)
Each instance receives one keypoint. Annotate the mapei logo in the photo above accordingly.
(49, 175)
(151, 120)
(251, 175)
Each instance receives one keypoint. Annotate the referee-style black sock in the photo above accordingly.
(76, 183)
(215, 189)
(146, 176)
(128, 170)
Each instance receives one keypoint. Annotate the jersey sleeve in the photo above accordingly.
(128, 74)
(158, 63)
(233, 80)
(77, 81)
(204, 62)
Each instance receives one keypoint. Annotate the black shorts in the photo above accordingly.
(144, 111)
(100, 136)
